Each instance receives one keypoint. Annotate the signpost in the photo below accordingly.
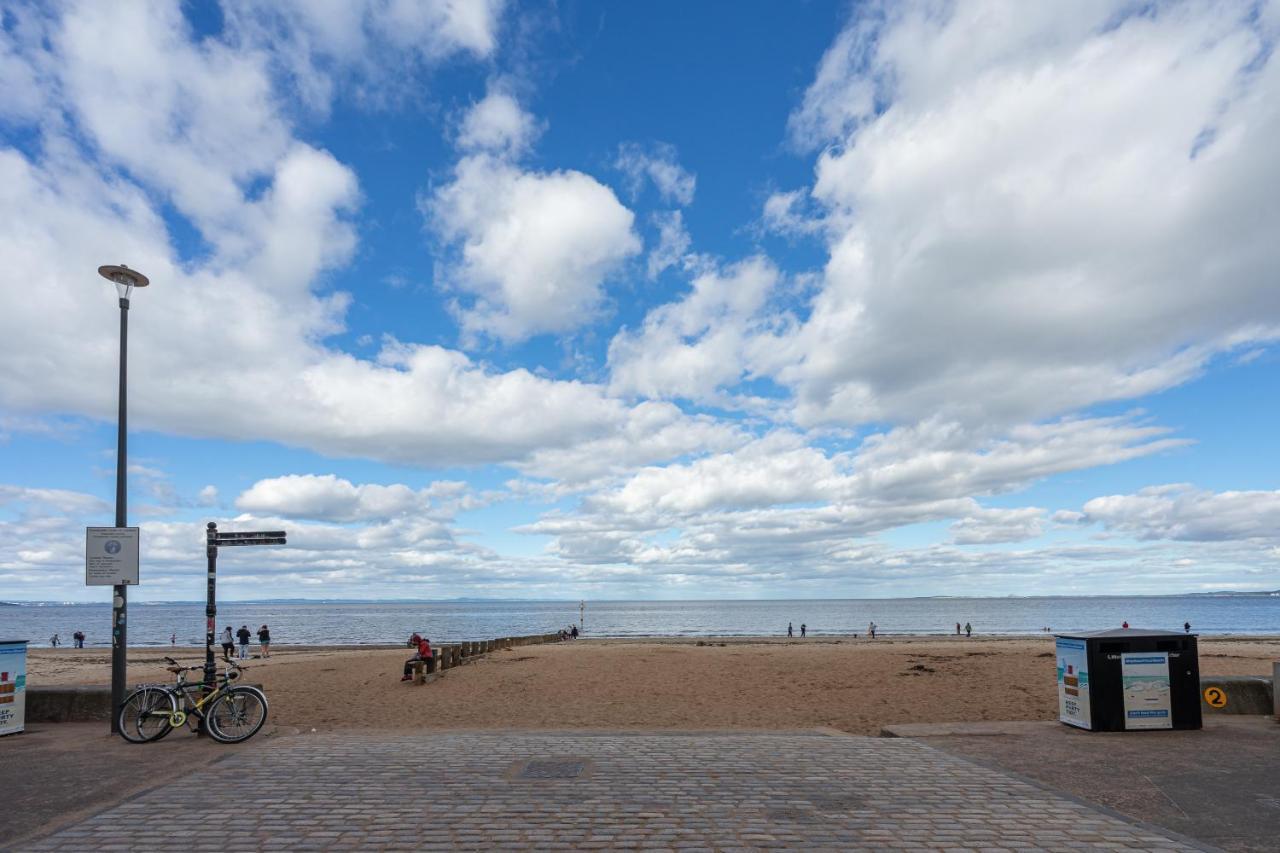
(215, 539)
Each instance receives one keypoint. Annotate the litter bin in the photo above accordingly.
(13, 686)
(1128, 680)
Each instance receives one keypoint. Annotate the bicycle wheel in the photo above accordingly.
(144, 716)
(237, 715)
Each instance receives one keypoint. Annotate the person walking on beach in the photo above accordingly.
(871, 630)
(1186, 627)
(243, 636)
(423, 646)
(790, 632)
(1124, 624)
(54, 640)
(264, 640)
(173, 638)
(574, 632)
(803, 629)
(78, 636)
(228, 643)
(968, 630)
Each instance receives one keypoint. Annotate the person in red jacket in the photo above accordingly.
(423, 653)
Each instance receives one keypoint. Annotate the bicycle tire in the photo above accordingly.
(144, 715)
(236, 715)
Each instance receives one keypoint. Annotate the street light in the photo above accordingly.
(125, 281)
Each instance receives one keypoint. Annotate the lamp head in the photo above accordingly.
(124, 278)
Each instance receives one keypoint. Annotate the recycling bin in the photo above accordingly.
(1128, 679)
(13, 686)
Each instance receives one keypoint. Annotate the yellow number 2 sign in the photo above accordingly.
(1215, 697)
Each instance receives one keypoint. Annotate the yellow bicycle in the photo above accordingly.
(230, 714)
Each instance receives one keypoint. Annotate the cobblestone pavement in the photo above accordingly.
(561, 791)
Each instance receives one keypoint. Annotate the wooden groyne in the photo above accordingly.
(448, 655)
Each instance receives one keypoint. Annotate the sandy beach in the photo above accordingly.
(856, 686)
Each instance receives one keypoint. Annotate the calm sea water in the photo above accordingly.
(152, 624)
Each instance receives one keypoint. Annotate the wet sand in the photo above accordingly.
(855, 685)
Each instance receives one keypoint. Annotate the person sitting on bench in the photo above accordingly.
(423, 654)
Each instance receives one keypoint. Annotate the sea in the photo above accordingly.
(358, 623)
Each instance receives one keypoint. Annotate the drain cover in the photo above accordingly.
(552, 768)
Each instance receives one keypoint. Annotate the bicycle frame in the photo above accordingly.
(183, 690)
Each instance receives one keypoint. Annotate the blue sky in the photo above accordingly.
(646, 300)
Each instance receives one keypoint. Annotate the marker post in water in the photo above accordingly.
(213, 540)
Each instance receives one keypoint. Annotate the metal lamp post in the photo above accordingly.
(125, 281)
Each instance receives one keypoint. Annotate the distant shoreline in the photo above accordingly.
(672, 639)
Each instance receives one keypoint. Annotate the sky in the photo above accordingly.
(645, 300)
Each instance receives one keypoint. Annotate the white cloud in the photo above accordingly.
(59, 501)
(535, 247)
(990, 526)
(329, 498)
(208, 496)
(657, 163)
(232, 344)
(1182, 512)
(497, 124)
(1032, 208)
(693, 346)
(370, 44)
(673, 243)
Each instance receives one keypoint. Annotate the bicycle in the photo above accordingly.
(229, 714)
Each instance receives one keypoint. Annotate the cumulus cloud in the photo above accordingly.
(534, 248)
(1067, 208)
(497, 124)
(232, 344)
(329, 498)
(1182, 512)
(369, 44)
(659, 164)
(693, 346)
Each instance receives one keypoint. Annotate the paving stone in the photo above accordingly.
(684, 792)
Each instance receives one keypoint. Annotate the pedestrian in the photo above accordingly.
(871, 630)
(423, 652)
(264, 640)
(803, 629)
(790, 632)
(1124, 624)
(968, 630)
(78, 636)
(575, 632)
(243, 636)
(228, 643)
(1186, 627)
(173, 638)
(957, 629)
(54, 640)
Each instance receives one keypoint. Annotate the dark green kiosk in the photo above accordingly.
(1128, 679)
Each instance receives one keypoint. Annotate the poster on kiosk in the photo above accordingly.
(13, 685)
(1073, 683)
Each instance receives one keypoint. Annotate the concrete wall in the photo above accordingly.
(68, 704)
(1246, 694)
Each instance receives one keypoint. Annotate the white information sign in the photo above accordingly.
(1073, 683)
(1147, 698)
(13, 685)
(110, 556)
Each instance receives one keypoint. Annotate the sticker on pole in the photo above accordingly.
(110, 556)
(1215, 697)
